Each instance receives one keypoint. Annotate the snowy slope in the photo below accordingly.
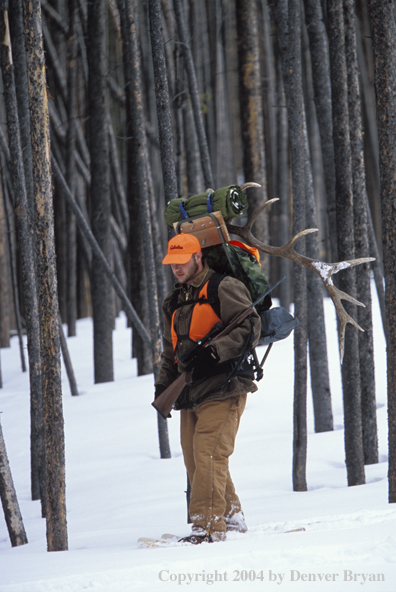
(118, 489)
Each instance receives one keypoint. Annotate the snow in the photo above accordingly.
(326, 270)
(118, 489)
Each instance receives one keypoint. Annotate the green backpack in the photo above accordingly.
(230, 201)
(235, 259)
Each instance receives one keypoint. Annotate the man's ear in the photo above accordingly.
(198, 256)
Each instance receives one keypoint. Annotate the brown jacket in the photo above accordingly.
(234, 298)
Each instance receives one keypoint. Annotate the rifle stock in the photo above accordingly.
(164, 403)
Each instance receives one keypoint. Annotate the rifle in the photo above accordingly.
(164, 403)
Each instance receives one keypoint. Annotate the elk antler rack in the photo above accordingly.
(324, 270)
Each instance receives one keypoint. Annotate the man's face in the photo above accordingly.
(186, 272)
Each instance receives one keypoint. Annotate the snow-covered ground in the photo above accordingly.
(118, 489)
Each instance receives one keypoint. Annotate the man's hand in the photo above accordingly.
(206, 360)
(159, 389)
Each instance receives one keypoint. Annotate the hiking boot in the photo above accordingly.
(196, 539)
(236, 523)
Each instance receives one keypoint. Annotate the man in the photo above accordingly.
(212, 405)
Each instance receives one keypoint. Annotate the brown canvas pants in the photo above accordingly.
(207, 439)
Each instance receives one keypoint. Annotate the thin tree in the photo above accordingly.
(165, 133)
(319, 367)
(9, 500)
(102, 310)
(382, 16)
(162, 99)
(139, 162)
(136, 271)
(345, 240)
(71, 169)
(297, 130)
(288, 26)
(251, 113)
(47, 283)
(360, 210)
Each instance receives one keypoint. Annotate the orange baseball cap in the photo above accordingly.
(180, 249)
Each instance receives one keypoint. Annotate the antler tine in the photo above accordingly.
(250, 184)
(323, 269)
(289, 246)
(337, 295)
(254, 215)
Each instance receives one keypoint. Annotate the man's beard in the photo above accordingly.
(193, 272)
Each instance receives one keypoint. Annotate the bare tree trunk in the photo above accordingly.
(382, 15)
(298, 137)
(287, 16)
(163, 106)
(165, 136)
(345, 240)
(12, 513)
(319, 368)
(103, 320)
(5, 325)
(71, 170)
(251, 113)
(139, 147)
(47, 284)
(360, 207)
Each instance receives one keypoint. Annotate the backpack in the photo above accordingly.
(231, 201)
(241, 262)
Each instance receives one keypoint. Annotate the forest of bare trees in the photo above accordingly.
(111, 108)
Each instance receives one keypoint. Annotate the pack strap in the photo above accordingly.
(212, 296)
(209, 202)
(183, 212)
(201, 300)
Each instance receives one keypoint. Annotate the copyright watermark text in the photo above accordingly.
(244, 575)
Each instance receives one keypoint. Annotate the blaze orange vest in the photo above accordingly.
(202, 320)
